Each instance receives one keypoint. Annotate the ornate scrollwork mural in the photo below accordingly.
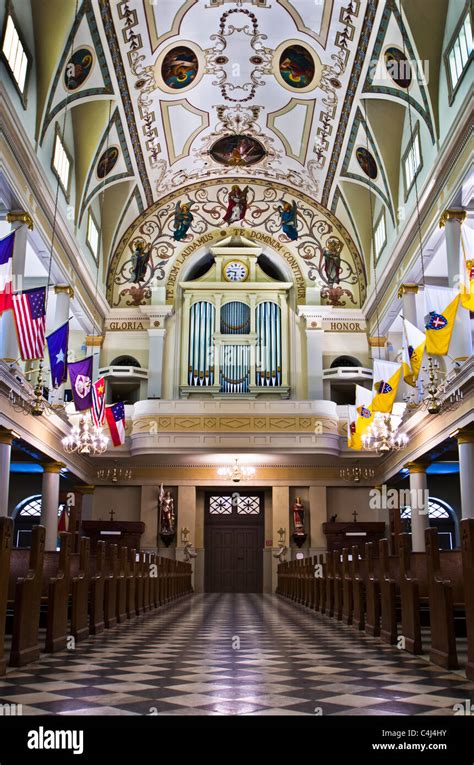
(286, 222)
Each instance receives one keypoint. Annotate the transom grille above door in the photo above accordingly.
(222, 504)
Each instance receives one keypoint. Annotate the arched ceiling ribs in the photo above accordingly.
(115, 200)
(387, 119)
(362, 208)
(89, 120)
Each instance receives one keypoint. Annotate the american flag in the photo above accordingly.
(29, 309)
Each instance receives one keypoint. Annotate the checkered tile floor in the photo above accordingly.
(234, 654)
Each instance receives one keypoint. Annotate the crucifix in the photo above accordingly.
(354, 515)
(112, 514)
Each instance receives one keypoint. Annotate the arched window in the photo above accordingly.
(26, 515)
(29, 507)
(436, 509)
(125, 361)
(345, 361)
(441, 515)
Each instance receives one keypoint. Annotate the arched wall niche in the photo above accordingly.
(342, 282)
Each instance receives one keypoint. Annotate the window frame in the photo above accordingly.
(415, 136)
(452, 89)
(377, 223)
(10, 13)
(57, 134)
(90, 217)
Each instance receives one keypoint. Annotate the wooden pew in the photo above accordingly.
(372, 619)
(337, 572)
(80, 593)
(413, 593)
(445, 588)
(154, 594)
(56, 588)
(388, 595)
(318, 580)
(110, 586)
(131, 564)
(25, 592)
(347, 588)
(329, 604)
(6, 536)
(358, 588)
(467, 552)
(139, 595)
(121, 584)
(97, 624)
(144, 557)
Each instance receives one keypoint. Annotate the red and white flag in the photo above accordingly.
(98, 402)
(29, 310)
(7, 245)
(115, 416)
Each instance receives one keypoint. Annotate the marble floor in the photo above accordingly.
(221, 654)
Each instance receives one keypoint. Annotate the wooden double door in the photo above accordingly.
(234, 526)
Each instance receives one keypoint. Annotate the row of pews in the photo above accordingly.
(403, 598)
(61, 595)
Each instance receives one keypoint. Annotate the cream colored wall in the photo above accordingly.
(344, 500)
(345, 344)
(125, 501)
(125, 343)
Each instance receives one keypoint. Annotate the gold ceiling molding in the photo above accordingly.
(20, 217)
(220, 424)
(182, 104)
(459, 215)
(304, 131)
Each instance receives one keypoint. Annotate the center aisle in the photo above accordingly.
(234, 654)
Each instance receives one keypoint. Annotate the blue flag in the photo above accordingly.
(80, 374)
(57, 347)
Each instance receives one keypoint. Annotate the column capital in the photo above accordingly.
(376, 342)
(6, 436)
(466, 435)
(20, 216)
(406, 289)
(52, 467)
(417, 467)
(94, 341)
(64, 289)
(459, 215)
(85, 489)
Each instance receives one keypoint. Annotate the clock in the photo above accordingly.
(235, 271)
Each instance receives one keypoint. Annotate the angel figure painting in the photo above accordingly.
(183, 218)
(332, 260)
(236, 205)
(288, 216)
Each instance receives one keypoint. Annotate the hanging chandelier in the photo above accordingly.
(356, 473)
(383, 435)
(85, 439)
(434, 399)
(30, 400)
(236, 472)
(115, 474)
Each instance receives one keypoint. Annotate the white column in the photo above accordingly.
(50, 503)
(6, 438)
(408, 293)
(156, 346)
(461, 340)
(378, 347)
(63, 293)
(8, 338)
(419, 504)
(93, 346)
(465, 439)
(314, 352)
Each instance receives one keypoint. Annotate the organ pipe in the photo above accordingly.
(201, 332)
(268, 323)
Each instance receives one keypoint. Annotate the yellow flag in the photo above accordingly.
(466, 269)
(441, 305)
(365, 414)
(387, 376)
(414, 342)
(353, 438)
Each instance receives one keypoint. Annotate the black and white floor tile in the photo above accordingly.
(234, 655)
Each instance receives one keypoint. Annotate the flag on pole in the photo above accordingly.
(466, 270)
(98, 402)
(365, 413)
(80, 374)
(63, 522)
(414, 341)
(57, 346)
(6, 272)
(441, 305)
(29, 310)
(386, 379)
(115, 416)
(352, 436)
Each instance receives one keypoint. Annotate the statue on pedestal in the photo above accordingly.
(167, 528)
(299, 535)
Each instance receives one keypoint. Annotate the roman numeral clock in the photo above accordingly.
(234, 333)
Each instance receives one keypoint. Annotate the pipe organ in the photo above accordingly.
(235, 329)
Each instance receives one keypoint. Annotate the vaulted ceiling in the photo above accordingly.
(168, 93)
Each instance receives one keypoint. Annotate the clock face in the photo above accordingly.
(235, 271)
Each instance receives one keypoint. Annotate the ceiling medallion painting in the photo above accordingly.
(367, 162)
(78, 68)
(297, 228)
(237, 151)
(107, 162)
(296, 66)
(398, 67)
(179, 67)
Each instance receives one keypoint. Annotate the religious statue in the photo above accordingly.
(332, 260)
(236, 205)
(288, 216)
(140, 259)
(183, 218)
(299, 535)
(167, 517)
